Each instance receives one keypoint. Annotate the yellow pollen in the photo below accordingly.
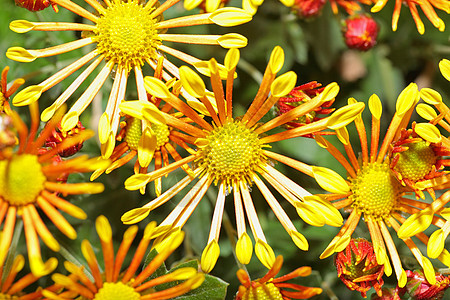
(126, 34)
(116, 291)
(233, 153)
(134, 133)
(21, 179)
(375, 191)
(162, 133)
(416, 162)
(267, 291)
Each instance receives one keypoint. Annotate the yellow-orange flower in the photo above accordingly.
(30, 182)
(233, 154)
(374, 193)
(147, 138)
(112, 283)
(126, 34)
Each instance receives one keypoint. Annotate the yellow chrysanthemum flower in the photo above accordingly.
(148, 137)
(126, 34)
(427, 7)
(30, 180)
(111, 283)
(233, 154)
(373, 192)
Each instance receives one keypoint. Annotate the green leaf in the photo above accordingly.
(213, 288)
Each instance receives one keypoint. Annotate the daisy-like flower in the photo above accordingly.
(156, 140)
(269, 287)
(358, 269)
(427, 6)
(112, 283)
(126, 35)
(29, 182)
(373, 192)
(232, 153)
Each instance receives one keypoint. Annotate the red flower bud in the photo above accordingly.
(360, 32)
(419, 288)
(357, 267)
(35, 5)
(308, 8)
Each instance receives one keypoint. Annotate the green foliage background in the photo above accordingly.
(315, 51)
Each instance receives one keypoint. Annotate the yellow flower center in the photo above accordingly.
(126, 34)
(21, 179)
(116, 291)
(416, 162)
(233, 152)
(8, 297)
(134, 133)
(375, 191)
(267, 291)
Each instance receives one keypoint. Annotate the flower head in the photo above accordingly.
(373, 192)
(147, 137)
(30, 181)
(247, 163)
(360, 32)
(427, 6)
(126, 35)
(357, 267)
(112, 283)
(269, 287)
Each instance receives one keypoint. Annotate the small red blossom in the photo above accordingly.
(308, 8)
(360, 32)
(36, 5)
(58, 136)
(419, 288)
(358, 269)
(301, 95)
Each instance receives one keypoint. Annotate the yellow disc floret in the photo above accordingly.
(8, 297)
(233, 153)
(134, 133)
(126, 34)
(375, 191)
(266, 291)
(21, 179)
(416, 162)
(162, 133)
(116, 291)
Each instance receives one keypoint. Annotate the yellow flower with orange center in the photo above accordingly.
(30, 181)
(130, 284)
(374, 192)
(233, 154)
(126, 34)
